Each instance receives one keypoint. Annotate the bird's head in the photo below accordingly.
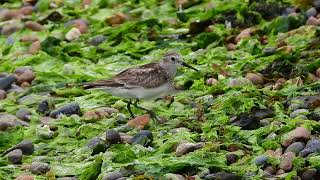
(174, 59)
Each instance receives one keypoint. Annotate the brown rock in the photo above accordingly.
(140, 121)
(73, 34)
(117, 19)
(126, 137)
(9, 29)
(212, 81)
(313, 21)
(244, 34)
(287, 161)
(26, 10)
(7, 15)
(270, 170)
(185, 148)
(29, 39)
(298, 134)
(34, 26)
(24, 177)
(81, 25)
(34, 47)
(24, 74)
(280, 171)
(3, 94)
(8, 120)
(231, 47)
(256, 79)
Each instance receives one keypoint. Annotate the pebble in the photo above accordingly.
(24, 177)
(98, 114)
(10, 29)
(80, 24)
(231, 158)
(313, 21)
(256, 79)
(26, 10)
(25, 146)
(24, 74)
(44, 132)
(270, 170)
(295, 147)
(39, 167)
(185, 148)
(34, 26)
(222, 176)
(231, 47)
(113, 136)
(73, 34)
(298, 112)
(113, 175)
(171, 176)
(309, 174)
(311, 147)
(298, 134)
(29, 38)
(212, 81)
(15, 156)
(261, 160)
(23, 114)
(6, 82)
(97, 145)
(8, 121)
(140, 121)
(3, 94)
(95, 41)
(243, 34)
(44, 107)
(143, 138)
(287, 161)
(239, 82)
(126, 137)
(34, 47)
(117, 19)
(311, 12)
(269, 50)
(68, 110)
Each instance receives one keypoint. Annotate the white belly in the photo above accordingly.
(141, 93)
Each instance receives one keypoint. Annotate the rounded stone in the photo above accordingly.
(256, 79)
(287, 161)
(308, 174)
(3, 94)
(261, 160)
(39, 167)
(113, 175)
(23, 114)
(298, 112)
(298, 134)
(311, 12)
(231, 158)
(113, 136)
(295, 147)
(15, 156)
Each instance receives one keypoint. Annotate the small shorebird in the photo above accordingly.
(148, 81)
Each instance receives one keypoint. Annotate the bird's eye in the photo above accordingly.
(173, 58)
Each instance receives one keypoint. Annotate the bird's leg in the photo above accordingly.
(171, 100)
(151, 113)
(129, 108)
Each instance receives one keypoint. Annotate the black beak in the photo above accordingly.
(188, 66)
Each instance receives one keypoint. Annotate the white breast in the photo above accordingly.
(140, 92)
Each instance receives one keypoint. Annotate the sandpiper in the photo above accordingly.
(148, 81)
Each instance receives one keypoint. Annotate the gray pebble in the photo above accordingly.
(298, 112)
(24, 114)
(311, 147)
(39, 167)
(15, 156)
(113, 175)
(311, 12)
(68, 110)
(295, 147)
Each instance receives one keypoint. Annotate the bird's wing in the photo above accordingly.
(146, 76)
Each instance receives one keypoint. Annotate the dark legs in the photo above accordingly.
(135, 104)
(129, 108)
(151, 113)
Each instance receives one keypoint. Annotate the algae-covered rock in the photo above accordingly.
(92, 171)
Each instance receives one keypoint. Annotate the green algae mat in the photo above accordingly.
(250, 112)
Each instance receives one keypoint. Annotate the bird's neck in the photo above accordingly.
(170, 70)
